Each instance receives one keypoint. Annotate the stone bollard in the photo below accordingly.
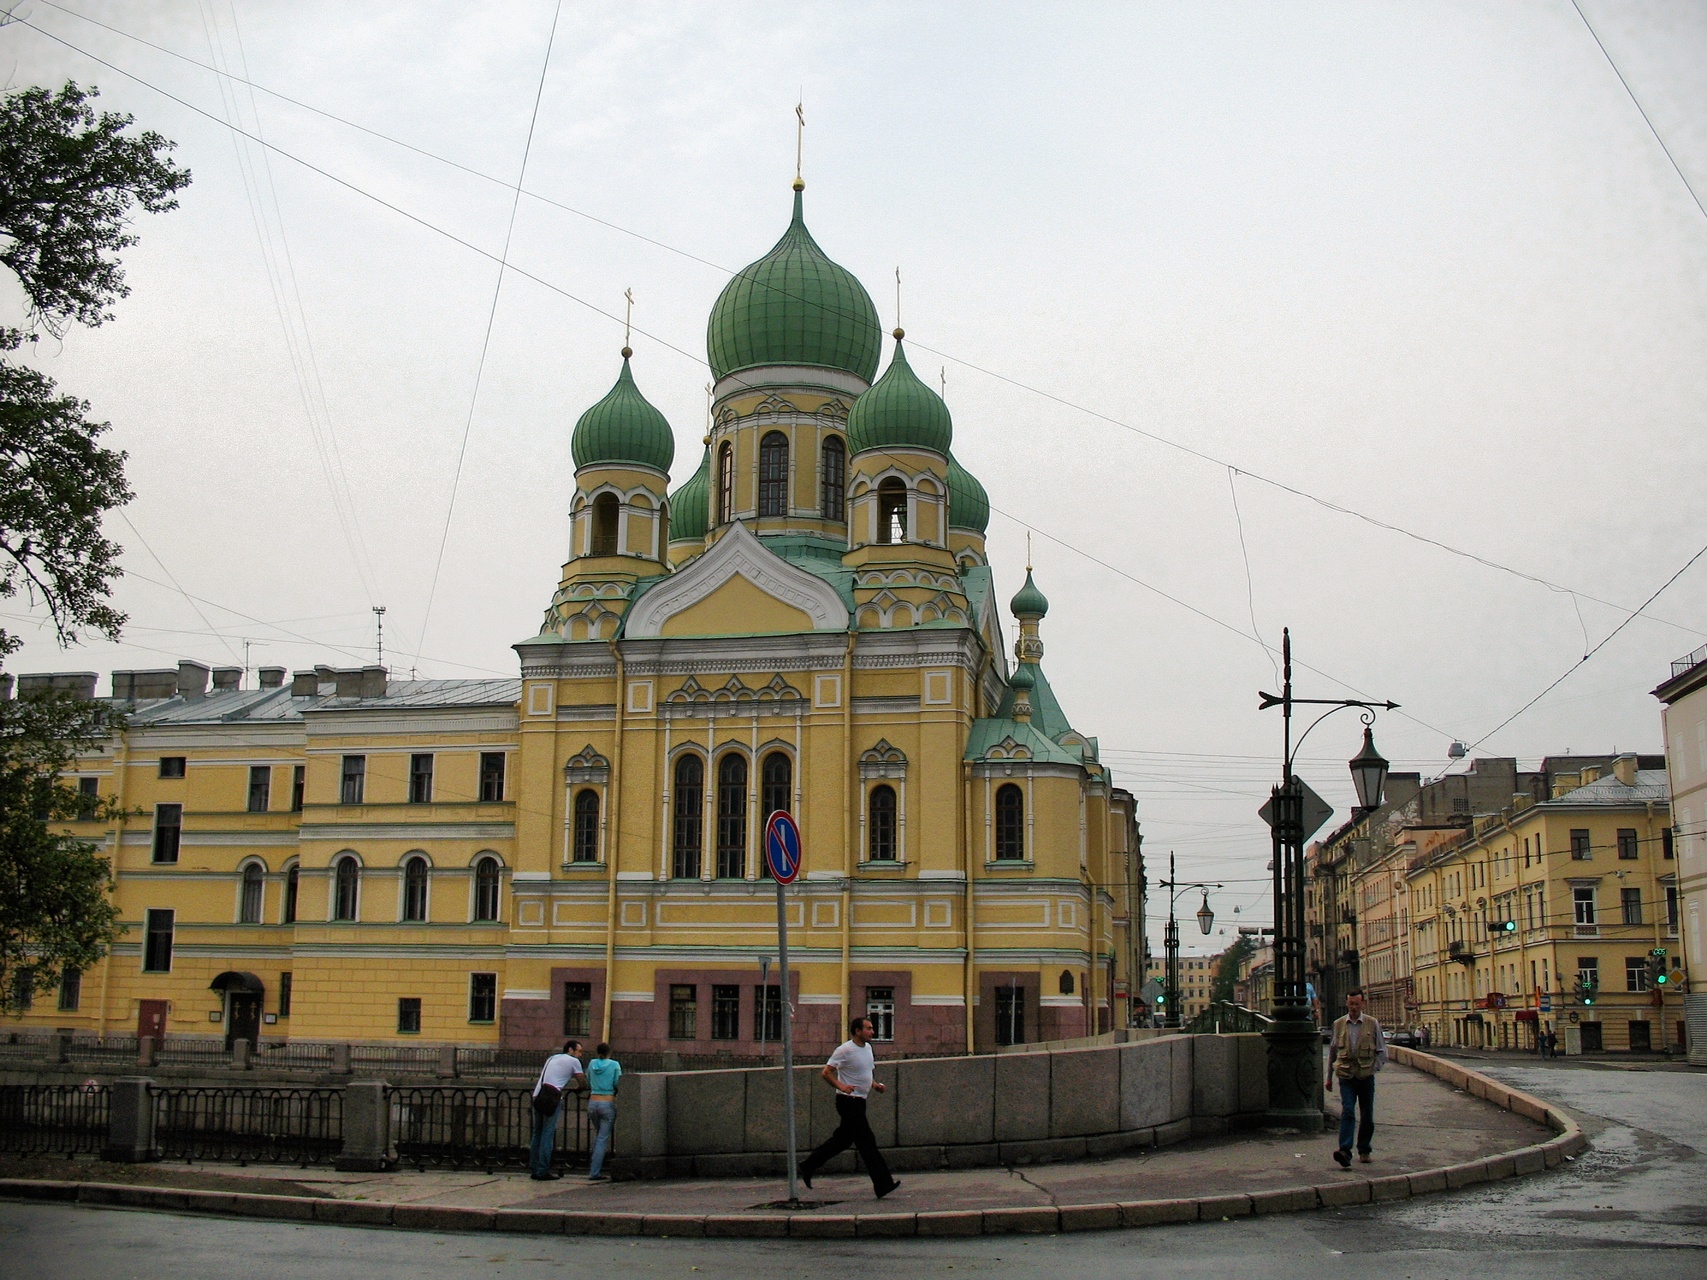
(130, 1121)
(145, 1048)
(447, 1061)
(367, 1127)
(340, 1059)
(242, 1055)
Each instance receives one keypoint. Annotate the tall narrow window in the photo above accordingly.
(486, 889)
(689, 801)
(1583, 898)
(773, 474)
(260, 787)
(1629, 848)
(732, 817)
(725, 1012)
(415, 889)
(776, 780)
(606, 509)
(1010, 823)
(891, 511)
(157, 942)
(421, 778)
(491, 776)
(168, 830)
(354, 780)
(298, 784)
(293, 878)
(284, 995)
(767, 1012)
(88, 797)
(1631, 902)
(346, 888)
(577, 1008)
(1667, 850)
(833, 487)
(725, 483)
(1671, 908)
(70, 990)
(880, 1008)
(880, 824)
(684, 1012)
(586, 835)
(482, 997)
(249, 909)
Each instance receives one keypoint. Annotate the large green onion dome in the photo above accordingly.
(1030, 602)
(690, 505)
(900, 412)
(624, 427)
(794, 306)
(968, 504)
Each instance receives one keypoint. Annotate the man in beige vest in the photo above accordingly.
(1357, 1051)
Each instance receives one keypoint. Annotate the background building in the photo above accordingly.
(1685, 716)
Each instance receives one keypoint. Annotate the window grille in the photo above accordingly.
(689, 802)
(773, 474)
(732, 817)
(684, 1012)
(577, 1008)
(725, 1013)
(880, 1008)
(585, 844)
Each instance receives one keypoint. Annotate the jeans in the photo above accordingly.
(1357, 1096)
(601, 1115)
(853, 1131)
(544, 1141)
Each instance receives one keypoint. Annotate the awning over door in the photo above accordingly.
(234, 980)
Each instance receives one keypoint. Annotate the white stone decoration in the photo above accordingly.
(737, 553)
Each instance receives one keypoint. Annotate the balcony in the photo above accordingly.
(1689, 662)
(1461, 952)
(1585, 931)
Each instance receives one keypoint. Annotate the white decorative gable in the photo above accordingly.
(737, 554)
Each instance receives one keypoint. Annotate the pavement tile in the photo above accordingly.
(1090, 1217)
(1214, 1208)
(1153, 1213)
(951, 1222)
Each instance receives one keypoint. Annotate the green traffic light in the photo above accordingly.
(1661, 979)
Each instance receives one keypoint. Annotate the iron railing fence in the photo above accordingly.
(249, 1125)
(510, 1064)
(53, 1119)
(292, 1055)
(24, 1046)
(1222, 1018)
(192, 1051)
(101, 1051)
(415, 1059)
(446, 1126)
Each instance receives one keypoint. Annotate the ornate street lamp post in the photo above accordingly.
(1294, 1045)
(1205, 921)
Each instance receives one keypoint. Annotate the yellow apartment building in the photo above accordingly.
(808, 623)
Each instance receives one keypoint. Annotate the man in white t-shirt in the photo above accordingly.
(849, 1072)
(560, 1074)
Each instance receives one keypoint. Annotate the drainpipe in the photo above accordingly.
(123, 766)
(970, 982)
(612, 816)
(849, 781)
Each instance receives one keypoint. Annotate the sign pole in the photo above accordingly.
(787, 1037)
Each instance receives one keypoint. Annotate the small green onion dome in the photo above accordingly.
(968, 504)
(794, 306)
(624, 427)
(1023, 678)
(900, 412)
(1030, 602)
(690, 506)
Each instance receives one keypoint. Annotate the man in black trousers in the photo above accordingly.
(849, 1072)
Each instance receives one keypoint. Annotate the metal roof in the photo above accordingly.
(1651, 787)
(226, 706)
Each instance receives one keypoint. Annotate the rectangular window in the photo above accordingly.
(1671, 908)
(421, 778)
(1581, 850)
(284, 995)
(1635, 973)
(70, 991)
(1628, 846)
(577, 1008)
(157, 942)
(482, 997)
(1667, 850)
(1010, 1015)
(24, 990)
(1588, 970)
(1583, 898)
(88, 796)
(880, 1008)
(491, 776)
(1631, 901)
(168, 831)
(767, 1013)
(409, 1015)
(260, 787)
(684, 1012)
(726, 1013)
(298, 784)
(171, 766)
(354, 780)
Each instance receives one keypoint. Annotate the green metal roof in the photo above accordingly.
(991, 730)
(690, 506)
(623, 427)
(968, 504)
(794, 306)
(899, 411)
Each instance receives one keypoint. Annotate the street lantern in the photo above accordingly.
(1368, 773)
(1205, 917)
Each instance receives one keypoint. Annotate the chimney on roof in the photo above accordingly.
(141, 686)
(272, 677)
(1624, 768)
(304, 684)
(226, 679)
(374, 681)
(192, 678)
(79, 684)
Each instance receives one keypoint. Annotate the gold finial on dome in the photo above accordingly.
(899, 333)
(627, 352)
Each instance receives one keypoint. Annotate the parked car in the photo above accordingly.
(1405, 1038)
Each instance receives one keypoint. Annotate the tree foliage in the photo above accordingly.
(1227, 972)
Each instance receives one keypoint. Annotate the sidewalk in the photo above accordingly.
(1429, 1136)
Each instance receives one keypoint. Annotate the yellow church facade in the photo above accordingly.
(807, 623)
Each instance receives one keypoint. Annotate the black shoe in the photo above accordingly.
(546, 1177)
(886, 1190)
(1342, 1157)
(800, 1172)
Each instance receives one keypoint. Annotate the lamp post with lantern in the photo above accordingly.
(1205, 922)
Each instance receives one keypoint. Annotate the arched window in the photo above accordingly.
(346, 888)
(486, 889)
(891, 511)
(689, 800)
(880, 824)
(293, 877)
(833, 488)
(776, 781)
(415, 889)
(773, 474)
(725, 483)
(606, 508)
(732, 817)
(1066, 983)
(249, 910)
(1010, 823)
(585, 845)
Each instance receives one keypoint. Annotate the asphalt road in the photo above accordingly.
(1636, 1206)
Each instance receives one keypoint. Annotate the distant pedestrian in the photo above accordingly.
(1424, 1034)
(602, 1074)
(561, 1074)
(1552, 1042)
(849, 1073)
(1356, 1052)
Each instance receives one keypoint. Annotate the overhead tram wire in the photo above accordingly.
(172, 578)
(1155, 437)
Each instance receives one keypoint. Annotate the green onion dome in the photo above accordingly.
(624, 427)
(794, 306)
(900, 412)
(690, 506)
(968, 504)
(1023, 678)
(1030, 602)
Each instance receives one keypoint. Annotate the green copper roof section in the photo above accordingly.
(794, 306)
(1030, 602)
(623, 427)
(690, 506)
(968, 504)
(991, 730)
(900, 412)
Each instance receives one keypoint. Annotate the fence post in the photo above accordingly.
(145, 1046)
(447, 1061)
(240, 1050)
(130, 1121)
(341, 1059)
(59, 1047)
(367, 1127)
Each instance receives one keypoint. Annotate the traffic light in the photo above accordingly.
(1657, 972)
(1502, 926)
(1586, 991)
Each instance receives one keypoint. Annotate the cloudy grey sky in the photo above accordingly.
(1423, 261)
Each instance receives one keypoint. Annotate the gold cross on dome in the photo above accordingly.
(627, 316)
(799, 134)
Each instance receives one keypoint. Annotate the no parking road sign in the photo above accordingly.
(782, 857)
(782, 847)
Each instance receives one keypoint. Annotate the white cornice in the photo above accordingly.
(738, 553)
